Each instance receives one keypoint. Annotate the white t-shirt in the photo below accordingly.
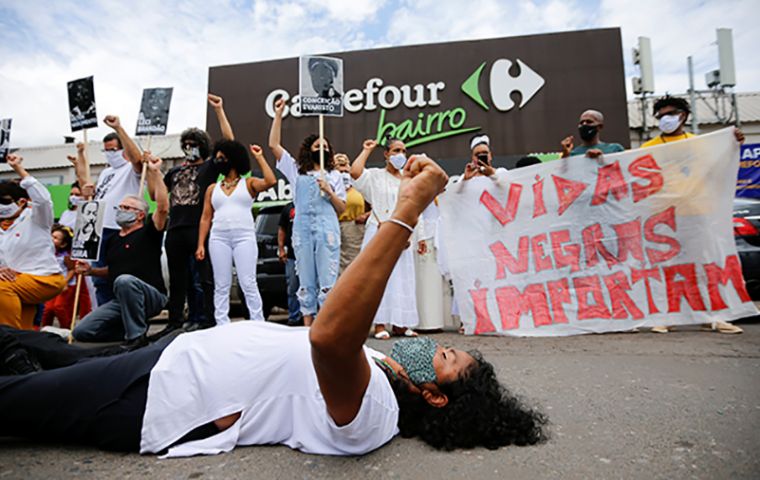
(68, 219)
(27, 246)
(115, 183)
(265, 371)
(286, 164)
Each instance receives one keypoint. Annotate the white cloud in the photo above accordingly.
(129, 46)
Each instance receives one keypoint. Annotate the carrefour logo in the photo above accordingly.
(502, 84)
(426, 126)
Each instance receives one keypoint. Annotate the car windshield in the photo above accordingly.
(267, 222)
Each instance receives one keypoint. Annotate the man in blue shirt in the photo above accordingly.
(590, 125)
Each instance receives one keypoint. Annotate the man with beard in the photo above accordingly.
(590, 126)
(187, 183)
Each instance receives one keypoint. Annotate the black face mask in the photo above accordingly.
(315, 156)
(482, 157)
(222, 166)
(588, 132)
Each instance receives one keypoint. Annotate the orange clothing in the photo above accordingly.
(19, 298)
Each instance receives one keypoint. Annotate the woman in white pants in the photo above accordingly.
(227, 213)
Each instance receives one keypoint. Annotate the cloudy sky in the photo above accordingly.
(132, 45)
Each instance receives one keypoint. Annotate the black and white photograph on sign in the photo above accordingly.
(154, 111)
(5, 139)
(321, 86)
(88, 230)
(82, 104)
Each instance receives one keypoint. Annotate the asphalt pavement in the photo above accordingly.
(651, 406)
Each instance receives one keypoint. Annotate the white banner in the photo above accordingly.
(639, 239)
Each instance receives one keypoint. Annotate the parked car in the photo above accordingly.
(747, 237)
(270, 272)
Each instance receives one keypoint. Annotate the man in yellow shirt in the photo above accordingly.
(671, 113)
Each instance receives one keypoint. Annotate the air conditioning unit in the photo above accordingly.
(712, 79)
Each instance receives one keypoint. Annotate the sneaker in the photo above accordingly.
(19, 362)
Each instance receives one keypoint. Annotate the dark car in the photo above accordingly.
(270, 271)
(747, 236)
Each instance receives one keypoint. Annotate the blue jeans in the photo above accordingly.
(294, 307)
(126, 316)
(103, 288)
(316, 244)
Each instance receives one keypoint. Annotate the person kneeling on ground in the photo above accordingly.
(318, 390)
(133, 265)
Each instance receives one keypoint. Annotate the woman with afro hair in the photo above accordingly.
(319, 197)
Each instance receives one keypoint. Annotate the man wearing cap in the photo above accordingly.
(590, 126)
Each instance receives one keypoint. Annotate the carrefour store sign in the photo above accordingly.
(525, 92)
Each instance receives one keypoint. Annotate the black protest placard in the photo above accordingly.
(154, 111)
(82, 104)
(320, 83)
(88, 230)
(5, 139)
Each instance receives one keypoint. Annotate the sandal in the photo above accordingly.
(723, 327)
(660, 329)
(410, 333)
(384, 335)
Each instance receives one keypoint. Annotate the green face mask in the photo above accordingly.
(416, 356)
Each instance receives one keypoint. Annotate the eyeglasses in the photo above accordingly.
(127, 207)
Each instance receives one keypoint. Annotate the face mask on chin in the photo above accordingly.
(115, 158)
(669, 123)
(416, 356)
(398, 161)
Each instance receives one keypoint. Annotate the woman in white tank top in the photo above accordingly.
(227, 214)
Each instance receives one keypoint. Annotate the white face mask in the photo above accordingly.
(115, 158)
(8, 210)
(398, 161)
(346, 179)
(670, 123)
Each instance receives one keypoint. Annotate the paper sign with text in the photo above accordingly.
(639, 239)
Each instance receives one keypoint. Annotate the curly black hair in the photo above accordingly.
(201, 138)
(306, 163)
(235, 153)
(480, 412)
(668, 101)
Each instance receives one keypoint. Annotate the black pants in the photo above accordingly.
(49, 349)
(181, 243)
(99, 402)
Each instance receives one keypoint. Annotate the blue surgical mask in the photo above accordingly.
(398, 161)
(416, 356)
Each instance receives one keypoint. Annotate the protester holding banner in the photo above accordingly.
(187, 184)
(62, 306)
(132, 266)
(252, 383)
(319, 197)
(380, 188)
(227, 213)
(354, 219)
(120, 178)
(672, 113)
(29, 272)
(590, 126)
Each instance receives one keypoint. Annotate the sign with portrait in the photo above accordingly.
(88, 230)
(321, 86)
(82, 104)
(154, 111)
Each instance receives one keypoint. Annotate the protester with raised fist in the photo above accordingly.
(119, 179)
(29, 271)
(187, 184)
(133, 266)
(380, 187)
(318, 390)
(590, 126)
(319, 197)
(227, 214)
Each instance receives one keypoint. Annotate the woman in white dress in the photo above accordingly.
(379, 186)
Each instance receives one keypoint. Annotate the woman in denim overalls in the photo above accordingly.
(319, 197)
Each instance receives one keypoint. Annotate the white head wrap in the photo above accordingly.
(478, 140)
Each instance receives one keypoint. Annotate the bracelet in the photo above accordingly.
(402, 224)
